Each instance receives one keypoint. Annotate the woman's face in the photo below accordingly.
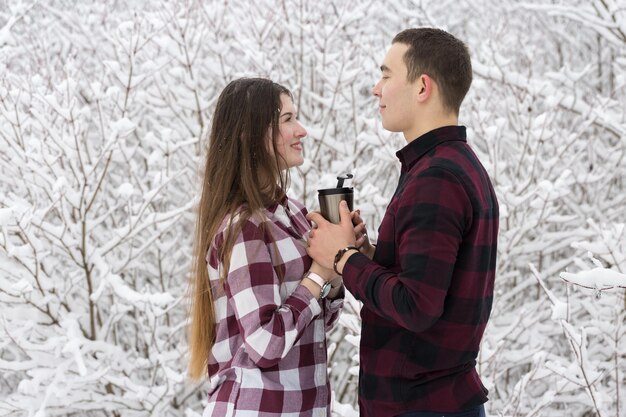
(290, 135)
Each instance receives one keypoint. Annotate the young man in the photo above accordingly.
(427, 286)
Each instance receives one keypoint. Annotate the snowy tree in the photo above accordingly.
(104, 112)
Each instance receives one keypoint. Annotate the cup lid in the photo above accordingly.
(331, 191)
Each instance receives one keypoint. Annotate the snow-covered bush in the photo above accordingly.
(104, 110)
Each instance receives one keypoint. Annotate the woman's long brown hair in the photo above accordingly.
(241, 172)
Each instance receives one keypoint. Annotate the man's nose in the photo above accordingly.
(376, 89)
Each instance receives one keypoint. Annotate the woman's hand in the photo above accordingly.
(327, 274)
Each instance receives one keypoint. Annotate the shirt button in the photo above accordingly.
(321, 346)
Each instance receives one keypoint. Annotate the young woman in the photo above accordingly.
(260, 307)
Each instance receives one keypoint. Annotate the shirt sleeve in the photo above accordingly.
(430, 219)
(333, 310)
(268, 326)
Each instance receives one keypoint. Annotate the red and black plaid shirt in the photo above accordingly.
(428, 292)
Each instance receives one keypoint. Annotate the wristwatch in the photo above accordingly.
(324, 285)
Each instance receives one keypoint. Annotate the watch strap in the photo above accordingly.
(340, 254)
(324, 285)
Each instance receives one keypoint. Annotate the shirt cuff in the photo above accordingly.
(303, 294)
(352, 269)
(335, 305)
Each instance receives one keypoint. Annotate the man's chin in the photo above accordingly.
(390, 127)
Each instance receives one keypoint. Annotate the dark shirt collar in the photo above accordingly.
(413, 151)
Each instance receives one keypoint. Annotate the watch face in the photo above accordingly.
(325, 290)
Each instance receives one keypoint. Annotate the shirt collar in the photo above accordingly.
(281, 201)
(413, 151)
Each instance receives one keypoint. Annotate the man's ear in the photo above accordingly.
(424, 87)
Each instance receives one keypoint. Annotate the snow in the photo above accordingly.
(123, 127)
(125, 190)
(559, 311)
(6, 216)
(598, 278)
(22, 286)
(104, 114)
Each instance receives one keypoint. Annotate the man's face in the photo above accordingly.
(397, 97)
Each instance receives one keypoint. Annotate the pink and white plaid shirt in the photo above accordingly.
(269, 357)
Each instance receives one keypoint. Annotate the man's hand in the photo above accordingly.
(360, 232)
(327, 238)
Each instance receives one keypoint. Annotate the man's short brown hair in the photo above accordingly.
(442, 57)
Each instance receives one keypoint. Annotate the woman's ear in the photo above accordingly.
(269, 141)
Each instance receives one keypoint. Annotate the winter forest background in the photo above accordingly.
(104, 110)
